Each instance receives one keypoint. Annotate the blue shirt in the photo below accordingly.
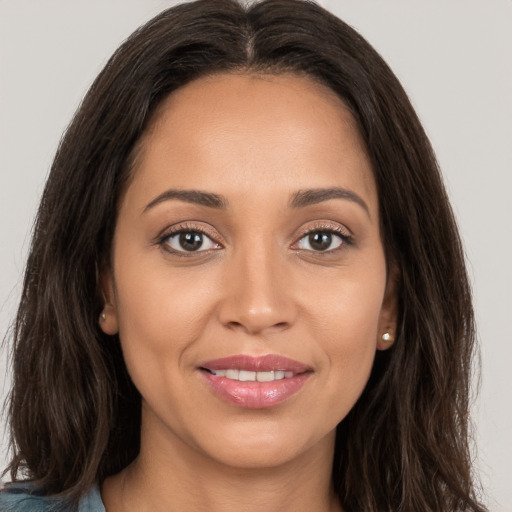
(17, 498)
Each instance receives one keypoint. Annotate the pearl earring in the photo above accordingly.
(387, 337)
(103, 316)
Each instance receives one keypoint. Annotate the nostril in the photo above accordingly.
(234, 325)
(252, 327)
(256, 316)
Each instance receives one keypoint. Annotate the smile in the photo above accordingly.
(248, 376)
(255, 382)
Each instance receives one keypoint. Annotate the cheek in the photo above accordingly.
(160, 315)
(345, 324)
(347, 304)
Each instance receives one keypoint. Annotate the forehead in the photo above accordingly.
(236, 133)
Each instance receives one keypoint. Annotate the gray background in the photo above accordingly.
(454, 57)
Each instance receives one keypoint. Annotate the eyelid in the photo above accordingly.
(319, 225)
(183, 227)
(326, 226)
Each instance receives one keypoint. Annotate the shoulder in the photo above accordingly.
(22, 497)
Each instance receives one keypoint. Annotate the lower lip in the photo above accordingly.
(255, 395)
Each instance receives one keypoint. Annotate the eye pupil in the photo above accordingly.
(191, 240)
(320, 240)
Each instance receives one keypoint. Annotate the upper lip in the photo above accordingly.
(265, 363)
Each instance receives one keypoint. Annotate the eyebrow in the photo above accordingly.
(300, 199)
(190, 196)
(308, 197)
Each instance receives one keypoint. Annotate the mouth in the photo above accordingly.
(249, 376)
(255, 382)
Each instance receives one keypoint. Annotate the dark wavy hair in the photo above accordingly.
(74, 412)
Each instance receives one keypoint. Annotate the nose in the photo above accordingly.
(258, 296)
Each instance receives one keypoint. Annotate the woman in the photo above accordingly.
(236, 291)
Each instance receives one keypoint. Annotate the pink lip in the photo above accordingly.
(256, 364)
(256, 395)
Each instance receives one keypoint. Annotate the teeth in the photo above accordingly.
(265, 376)
(245, 376)
(248, 376)
(233, 374)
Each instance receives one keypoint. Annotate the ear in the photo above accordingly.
(389, 313)
(108, 317)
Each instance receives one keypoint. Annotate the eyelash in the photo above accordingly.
(163, 241)
(345, 237)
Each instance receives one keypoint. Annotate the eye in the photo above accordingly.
(320, 241)
(190, 241)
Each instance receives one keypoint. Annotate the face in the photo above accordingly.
(248, 281)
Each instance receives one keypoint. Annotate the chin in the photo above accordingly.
(257, 457)
(265, 446)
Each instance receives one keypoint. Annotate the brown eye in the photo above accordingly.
(190, 241)
(320, 241)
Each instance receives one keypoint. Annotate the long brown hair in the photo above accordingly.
(74, 412)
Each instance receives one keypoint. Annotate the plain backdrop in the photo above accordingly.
(454, 58)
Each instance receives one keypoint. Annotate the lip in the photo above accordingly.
(265, 363)
(254, 394)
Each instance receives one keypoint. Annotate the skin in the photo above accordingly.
(257, 289)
